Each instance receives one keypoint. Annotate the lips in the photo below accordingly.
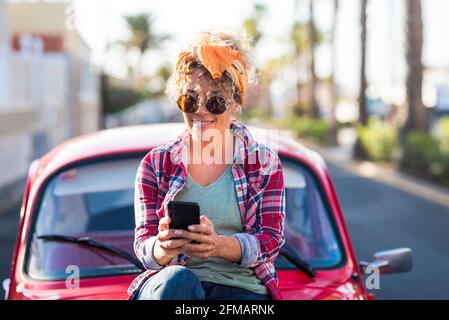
(201, 125)
(202, 122)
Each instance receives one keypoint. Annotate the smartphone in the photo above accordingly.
(183, 214)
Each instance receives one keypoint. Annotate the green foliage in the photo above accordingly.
(251, 25)
(299, 36)
(142, 34)
(157, 83)
(375, 142)
(307, 128)
(117, 97)
(443, 132)
(424, 156)
(250, 114)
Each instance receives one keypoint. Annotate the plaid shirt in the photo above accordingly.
(259, 186)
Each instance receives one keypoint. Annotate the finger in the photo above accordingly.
(173, 244)
(169, 234)
(195, 237)
(195, 248)
(164, 223)
(201, 228)
(205, 220)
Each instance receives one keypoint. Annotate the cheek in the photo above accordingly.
(224, 120)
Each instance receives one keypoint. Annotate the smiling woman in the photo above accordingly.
(237, 182)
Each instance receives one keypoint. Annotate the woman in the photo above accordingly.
(217, 163)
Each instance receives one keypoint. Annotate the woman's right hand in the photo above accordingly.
(165, 247)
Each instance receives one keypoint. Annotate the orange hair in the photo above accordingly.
(217, 56)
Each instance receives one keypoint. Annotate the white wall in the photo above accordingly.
(16, 146)
(4, 50)
(35, 117)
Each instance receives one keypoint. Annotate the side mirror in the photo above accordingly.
(391, 261)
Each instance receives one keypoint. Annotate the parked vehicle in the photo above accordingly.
(77, 222)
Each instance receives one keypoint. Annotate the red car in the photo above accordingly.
(76, 231)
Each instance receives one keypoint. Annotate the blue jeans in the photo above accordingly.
(179, 283)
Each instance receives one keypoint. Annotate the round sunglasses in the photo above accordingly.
(190, 104)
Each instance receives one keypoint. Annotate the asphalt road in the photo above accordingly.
(382, 217)
(9, 222)
(379, 217)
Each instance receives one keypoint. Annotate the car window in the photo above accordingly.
(308, 227)
(97, 200)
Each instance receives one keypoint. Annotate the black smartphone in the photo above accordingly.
(183, 214)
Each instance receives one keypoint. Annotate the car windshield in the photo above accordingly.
(96, 200)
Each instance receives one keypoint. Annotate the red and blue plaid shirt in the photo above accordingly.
(259, 186)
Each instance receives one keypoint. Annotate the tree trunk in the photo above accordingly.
(333, 140)
(363, 113)
(417, 119)
(314, 108)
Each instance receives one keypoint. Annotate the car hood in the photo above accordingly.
(292, 288)
(345, 291)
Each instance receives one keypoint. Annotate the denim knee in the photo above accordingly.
(172, 283)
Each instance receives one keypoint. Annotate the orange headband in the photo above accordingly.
(217, 59)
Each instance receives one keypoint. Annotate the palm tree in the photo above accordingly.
(363, 113)
(314, 108)
(251, 24)
(298, 36)
(142, 35)
(268, 73)
(417, 119)
(334, 94)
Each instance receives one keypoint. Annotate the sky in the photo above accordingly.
(101, 21)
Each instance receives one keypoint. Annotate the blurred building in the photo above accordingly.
(68, 86)
(49, 91)
(4, 51)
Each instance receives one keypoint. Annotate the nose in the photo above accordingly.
(202, 106)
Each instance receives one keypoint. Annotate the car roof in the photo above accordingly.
(142, 138)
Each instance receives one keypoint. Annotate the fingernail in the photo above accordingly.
(178, 232)
(191, 228)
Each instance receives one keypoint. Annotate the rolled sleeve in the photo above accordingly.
(249, 246)
(148, 258)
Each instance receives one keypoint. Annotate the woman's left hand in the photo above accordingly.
(209, 242)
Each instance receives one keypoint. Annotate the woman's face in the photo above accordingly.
(202, 87)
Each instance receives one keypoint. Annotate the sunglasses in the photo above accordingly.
(190, 104)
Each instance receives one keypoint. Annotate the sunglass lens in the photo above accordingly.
(216, 105)
(187, 104)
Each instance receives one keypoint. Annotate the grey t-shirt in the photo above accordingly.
(218, 201)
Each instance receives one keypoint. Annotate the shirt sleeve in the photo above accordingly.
(263, 246)
(147, 221)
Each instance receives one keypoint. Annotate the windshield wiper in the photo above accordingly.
(86, 241)
(289, 253)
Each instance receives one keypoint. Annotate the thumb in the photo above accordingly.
(205, 220)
